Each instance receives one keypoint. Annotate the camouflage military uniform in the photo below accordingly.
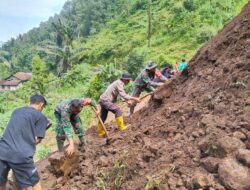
(67, 122)
(144, 81)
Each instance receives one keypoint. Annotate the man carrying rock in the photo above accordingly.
(68, 120)
(108, 99)
(145, 81)
(26, 129)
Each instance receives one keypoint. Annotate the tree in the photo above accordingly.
(4, 58)
(63, 49)
(40, 76)
(149, 21)
(134, 64)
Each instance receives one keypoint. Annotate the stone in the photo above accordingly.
(230, 144)
(103, 161)
(64, 165)
(165, 187)
(207, 120)
(245, 125)
(233, 175)
(61, 180)
(239, 135)
(202, 179)
(243, 155)
(77, 178)
(211, 164)
(195, 134)
(58, 186)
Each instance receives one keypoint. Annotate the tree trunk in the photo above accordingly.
(149, 22)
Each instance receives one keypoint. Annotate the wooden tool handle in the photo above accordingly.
(100, 120)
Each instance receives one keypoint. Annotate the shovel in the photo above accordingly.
(146, 95)
(108, 139)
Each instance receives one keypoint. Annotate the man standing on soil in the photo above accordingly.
(145, 81)
(26, 128)
(108, 99)
(68, 120)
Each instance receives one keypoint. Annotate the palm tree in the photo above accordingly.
(66, 54)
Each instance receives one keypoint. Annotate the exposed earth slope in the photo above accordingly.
(193, 134)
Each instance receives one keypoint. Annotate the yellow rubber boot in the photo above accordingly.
(100, 130)
(120, 123)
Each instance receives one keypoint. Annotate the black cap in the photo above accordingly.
(126, 76)
(151, 65)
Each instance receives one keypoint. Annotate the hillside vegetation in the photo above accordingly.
(80, 51)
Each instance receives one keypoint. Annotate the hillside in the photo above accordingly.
(108, 31)
(193, 134)
(106, 38)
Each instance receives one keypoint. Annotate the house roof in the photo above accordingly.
(10, 83)
(23, 76)
(16, 79)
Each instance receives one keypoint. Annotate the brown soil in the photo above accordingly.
(190, 129)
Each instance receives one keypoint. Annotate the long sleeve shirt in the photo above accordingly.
(146, 80)
(113, 91)
(66, 115)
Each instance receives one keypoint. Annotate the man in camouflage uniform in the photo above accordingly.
(145, 81)
(68, 120)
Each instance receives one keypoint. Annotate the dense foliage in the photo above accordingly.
(90, 43)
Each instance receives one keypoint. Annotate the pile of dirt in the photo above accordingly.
(193, 134)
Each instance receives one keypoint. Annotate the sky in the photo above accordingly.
(19, 16)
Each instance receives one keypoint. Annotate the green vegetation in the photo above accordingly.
(90, 43)
(114, 178)
(155, 181)
(42, 151)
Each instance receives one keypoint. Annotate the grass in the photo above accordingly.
(42, 151)
(115, 177)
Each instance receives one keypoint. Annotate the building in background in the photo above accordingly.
(14, 82)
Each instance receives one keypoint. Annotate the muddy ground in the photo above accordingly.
(193, 134)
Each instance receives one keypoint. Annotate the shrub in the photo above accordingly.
(189, 5)
(134, 64)
(206, 33)
(78, 74)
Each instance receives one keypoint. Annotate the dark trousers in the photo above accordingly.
(109, 106)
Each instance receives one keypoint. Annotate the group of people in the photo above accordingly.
(27, 125)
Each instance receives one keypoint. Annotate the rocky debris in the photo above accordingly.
(202, 180)
(239, 135)
(230, 144)
(200, 123)
(211, 164)
(243, 155)
(233, 175)
(63, 165)
(209, 147)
